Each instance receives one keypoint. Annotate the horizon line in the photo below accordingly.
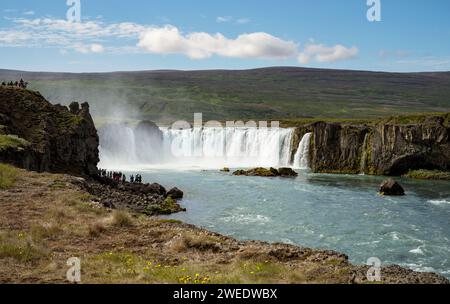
(219, 69)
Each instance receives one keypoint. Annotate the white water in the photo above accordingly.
(203, 148)
(301, 158)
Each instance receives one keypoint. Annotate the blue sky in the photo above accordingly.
(117, 35)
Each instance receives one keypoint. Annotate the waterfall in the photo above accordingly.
(363, 164)
(206, 148)
(301, 158)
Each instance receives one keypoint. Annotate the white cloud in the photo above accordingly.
(97, 48)
(13, 38)
(29, 13)
(200, 45)
(322, 53)
(243, 21)
(87, 49)
(96, 36)
(223, 19)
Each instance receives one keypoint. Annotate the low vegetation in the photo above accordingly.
(263, 94)
(7, 176)
(51, 220)
(428, 174)
(12, 141)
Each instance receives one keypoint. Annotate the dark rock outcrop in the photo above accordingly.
(287, 172)
(142, 142)
(59, 140)
(148, 147)
(175, 193)
(149, 199)
(271, 172)
(382, 148)
(391, 187)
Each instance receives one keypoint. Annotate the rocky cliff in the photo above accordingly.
(379, 148)
(39, 136)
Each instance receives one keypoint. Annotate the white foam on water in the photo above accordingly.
(395, 236)
(417, 250)
(419, 267)
(247, 219)
(439, 202)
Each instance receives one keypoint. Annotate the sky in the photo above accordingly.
(119, 35)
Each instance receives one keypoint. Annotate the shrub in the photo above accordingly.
(121, 219)
(12, 141)
(96, 229)
(7, 176)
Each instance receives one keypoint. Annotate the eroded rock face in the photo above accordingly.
(61, 140)
(391, 187)
(384, 148)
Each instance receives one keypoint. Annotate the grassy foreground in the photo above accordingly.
(50, 220)
(46, 219)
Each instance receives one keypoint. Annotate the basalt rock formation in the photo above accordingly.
(382, 148)
(38, 136)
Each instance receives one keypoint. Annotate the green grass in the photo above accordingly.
(12, 141)
(131, 267)
(20, 247)
(269, 94)
(8, 176)
(428, 174)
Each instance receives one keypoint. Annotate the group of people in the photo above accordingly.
(119, 177)
(20, 84)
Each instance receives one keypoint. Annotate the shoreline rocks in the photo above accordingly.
(264, 172)
(148, 199)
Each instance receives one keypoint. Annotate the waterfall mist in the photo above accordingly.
(147, 146)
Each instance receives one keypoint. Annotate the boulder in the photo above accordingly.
(154, 188)
(391, 187)
(175, 193)
(225, 169)
(287, 172)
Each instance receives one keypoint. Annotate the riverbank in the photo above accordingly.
(46, 219)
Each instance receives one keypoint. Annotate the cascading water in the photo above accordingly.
(363, 164)
(122, 147)
(301, 158)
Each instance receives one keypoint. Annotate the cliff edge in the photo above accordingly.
(38, 136)
(381, 148)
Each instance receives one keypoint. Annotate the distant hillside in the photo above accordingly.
(269, 93)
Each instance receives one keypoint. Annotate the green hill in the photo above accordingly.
(269, 93)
